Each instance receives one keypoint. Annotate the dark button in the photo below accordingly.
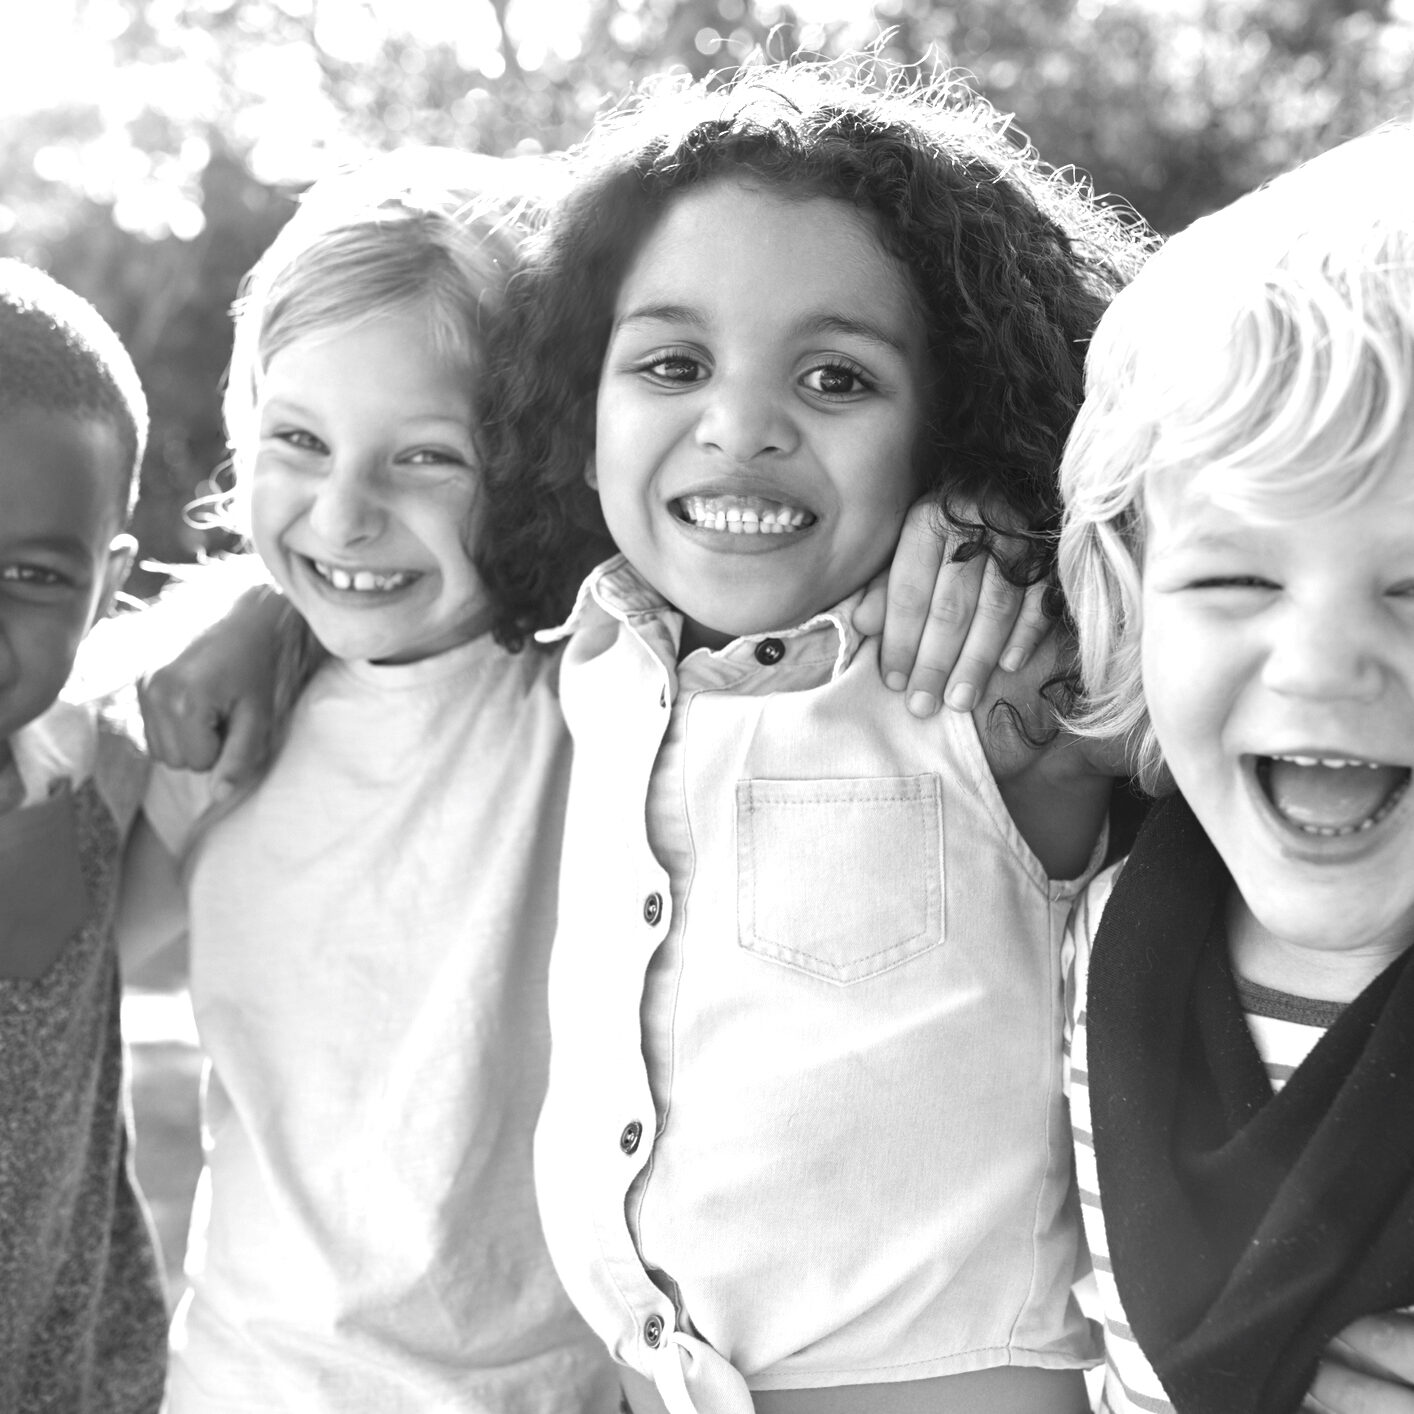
(770, 651)
(652, 909)
(663, 698)
(628, 1140)
(653, 1330)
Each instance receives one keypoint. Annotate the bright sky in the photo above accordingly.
(47, 55)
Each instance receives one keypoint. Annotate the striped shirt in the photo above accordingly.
(1285, 1029)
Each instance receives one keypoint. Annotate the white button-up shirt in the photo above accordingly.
(805, 1123)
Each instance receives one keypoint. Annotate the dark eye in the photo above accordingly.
(836, 380)
(31, 574)
(26, 578)
(674, 367)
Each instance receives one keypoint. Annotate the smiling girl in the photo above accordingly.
(804, 1146)
(370, 923)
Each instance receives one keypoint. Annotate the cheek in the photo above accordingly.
(1186, 685)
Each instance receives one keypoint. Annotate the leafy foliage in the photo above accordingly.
(153, 196)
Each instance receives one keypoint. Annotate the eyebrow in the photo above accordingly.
(292, 407)
(826, 322)
(58, 543)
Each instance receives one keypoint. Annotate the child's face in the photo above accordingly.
(364, 487)
(1278, 664)
(759, 408)
(62, 477)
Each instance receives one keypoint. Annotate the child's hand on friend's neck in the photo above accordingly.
(948, 621)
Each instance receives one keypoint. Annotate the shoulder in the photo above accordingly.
(120, 764)
(174, 802)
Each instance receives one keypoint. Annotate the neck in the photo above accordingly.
(1327, 974)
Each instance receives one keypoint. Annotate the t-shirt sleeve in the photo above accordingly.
(175, 801)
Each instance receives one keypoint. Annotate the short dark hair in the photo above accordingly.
(1011, 264)
(57, 353)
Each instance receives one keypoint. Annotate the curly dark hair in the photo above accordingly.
(58, 354)
(1012, 264)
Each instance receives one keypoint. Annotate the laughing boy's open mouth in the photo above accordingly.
(1327, 795)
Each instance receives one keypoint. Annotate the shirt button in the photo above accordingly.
(770, 651)
(653, 1330)
(652, 909)
(628, 1140)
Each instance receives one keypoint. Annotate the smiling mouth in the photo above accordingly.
(364, 581)
(1331, 795)
(742, 515)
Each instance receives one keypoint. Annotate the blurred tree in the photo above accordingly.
(154, 191)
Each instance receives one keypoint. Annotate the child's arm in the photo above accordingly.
(211, 708)
(946, 625)
(152, 906)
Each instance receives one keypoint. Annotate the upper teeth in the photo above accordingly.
(363, 581)
(740, 517)
(1333, 761)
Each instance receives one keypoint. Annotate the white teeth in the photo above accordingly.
(727, 513)
(1334, 762)
(363, 581)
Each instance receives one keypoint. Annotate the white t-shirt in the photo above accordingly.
(369, 936)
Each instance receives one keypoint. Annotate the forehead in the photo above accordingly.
(391, 357)
(63, 478)
(731, 239)
(1192, 510)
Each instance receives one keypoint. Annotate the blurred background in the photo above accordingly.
(149, 149)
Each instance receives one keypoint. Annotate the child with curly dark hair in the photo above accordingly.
(804, 1146)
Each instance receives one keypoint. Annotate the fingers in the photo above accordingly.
(247, 745)
(918, 562)
(1382, 1344)
(1368, 1370)
(869, 612)
(957, 673)
(1032, 625)
(181, 731)
(1338, 1389)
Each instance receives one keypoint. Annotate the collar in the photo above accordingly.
(616, 589)
(60, 745)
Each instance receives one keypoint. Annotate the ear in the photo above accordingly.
(591, 474)
(122, 554)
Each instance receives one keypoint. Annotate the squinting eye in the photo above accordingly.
(301, 440)
(1233, 581)
(836, 380)
(435, 456)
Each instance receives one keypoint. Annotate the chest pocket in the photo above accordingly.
(842, 879)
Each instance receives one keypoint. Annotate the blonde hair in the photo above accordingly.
(425, 230)
(429, 231)
(1263, 360)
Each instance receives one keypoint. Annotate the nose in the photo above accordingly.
(1323, 652)
(744, 418)
(347, 509)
